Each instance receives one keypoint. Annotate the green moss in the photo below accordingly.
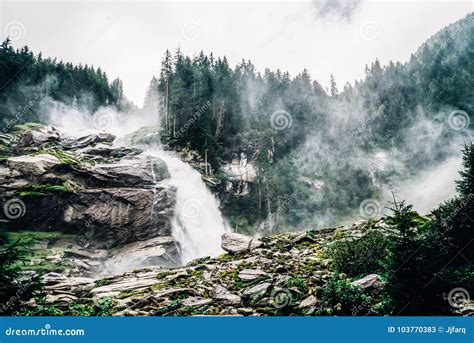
(27, 126)
(35, 190)
(31, 194)
(131, 293)
(162, 275)
(198, 273)
(101, 307)
(34, 235)
(299, 283)
(165, 310)
(103, 282)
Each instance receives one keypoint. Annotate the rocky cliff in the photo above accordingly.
(95, 207)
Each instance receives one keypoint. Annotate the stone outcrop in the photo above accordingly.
(234, 242)
(100, 196)
(241, 173)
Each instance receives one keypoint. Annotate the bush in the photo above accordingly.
(14, 289)
(341, 298)
(361, 256)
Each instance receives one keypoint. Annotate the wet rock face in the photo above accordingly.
(121, 215)
(84, 186)
(241, 174)
(137, 172)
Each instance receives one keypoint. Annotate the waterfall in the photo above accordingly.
(198, 223)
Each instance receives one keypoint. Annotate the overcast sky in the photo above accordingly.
(128, 38)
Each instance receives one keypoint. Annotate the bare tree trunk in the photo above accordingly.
(269, 209)
(167, 106)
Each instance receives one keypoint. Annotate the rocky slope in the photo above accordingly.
(90, 206)
(281, 275)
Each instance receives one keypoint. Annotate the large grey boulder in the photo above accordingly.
(83, 141)
(140, 172)
(235, 242)
(252, 274)
(308, 302)
(257, 290)
(157, 251)
(223, 295)
(38, 137)
(369, 281)
(127, 282)
(33, 164)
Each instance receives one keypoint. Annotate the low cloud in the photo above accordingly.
(336, 9)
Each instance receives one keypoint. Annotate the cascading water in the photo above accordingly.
(198, 223)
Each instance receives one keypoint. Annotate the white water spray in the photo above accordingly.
(198, 224)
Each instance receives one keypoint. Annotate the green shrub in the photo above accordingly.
(341, 298)
(13, 290)
(359, 257)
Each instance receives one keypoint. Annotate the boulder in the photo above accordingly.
(7, 174)
(35, 165)
(107, 151)
(257, 290)
(139, 172)
(308, 302)
(223, 295)
(83, 141)
(235, 243)
(127, 282)
(38, 137)
(196, 301)
(251, 274)
(369, 281)
(157, 251)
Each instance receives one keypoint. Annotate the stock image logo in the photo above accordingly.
(281, 298)
(103, 120)
(370, 208)
(458, 297)
(191, 208)
(192, 31)
(14, 208)
(281, 120)
(14, 30)
(369, 31)
(458, 120)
